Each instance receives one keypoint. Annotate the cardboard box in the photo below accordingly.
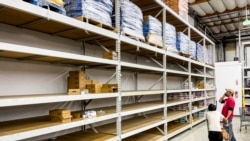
(76, 115)
(94, 82)
(109, 88)
(74, 91)
(76, 80)
(60, 112)
(94, 88)
(110, 55)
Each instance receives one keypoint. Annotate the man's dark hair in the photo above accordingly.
(211, 107)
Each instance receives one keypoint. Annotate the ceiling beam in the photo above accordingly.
(225, 23)
(218, 13)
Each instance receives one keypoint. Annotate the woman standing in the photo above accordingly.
(214, 127)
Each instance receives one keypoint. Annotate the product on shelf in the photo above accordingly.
(109, 88)
(94, 88)
(131, 20)
(200, 52)
(53, 5)
(60, 115)
(152, 30)
(182, 43)
(170, 40)
(89, 114)
(74, 91)
(98, 10)
(76, 81)
(110, 55)
(179, 6)
(208, 55)
(200, 85)
(76, 115)
(192, 49)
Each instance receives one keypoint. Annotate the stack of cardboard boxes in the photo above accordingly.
(179, 6)
(60, 115)
(77, 82)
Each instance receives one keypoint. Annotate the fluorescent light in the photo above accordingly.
(246, 22)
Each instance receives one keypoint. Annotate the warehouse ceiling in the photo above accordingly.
(221, 18)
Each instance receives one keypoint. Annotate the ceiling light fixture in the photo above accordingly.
(246, 22)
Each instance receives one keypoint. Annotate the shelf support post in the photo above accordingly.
(164, 81)
(118, 71)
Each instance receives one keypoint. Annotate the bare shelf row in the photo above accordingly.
(27, 128)
(16, 100)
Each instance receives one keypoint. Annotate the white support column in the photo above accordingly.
(165, 129)
(118, 72)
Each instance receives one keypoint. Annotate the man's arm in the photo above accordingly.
(221, 100)
(229, 113)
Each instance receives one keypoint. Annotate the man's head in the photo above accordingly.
(229, 92)
(211, 107)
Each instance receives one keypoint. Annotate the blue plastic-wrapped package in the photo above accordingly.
(182, 43)
(200, 53)
(131, 19)
(192, 49)
(209, 55)
(99, 10)
(152, 30)
(170, 40)
(48, 5)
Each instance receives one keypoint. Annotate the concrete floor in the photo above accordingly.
(200, 133)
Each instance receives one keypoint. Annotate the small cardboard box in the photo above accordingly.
(74, 91)
(109, 88)
(57, 119)
(94, 82)
(60, 112)
(76, 115)
(94, 88)
(110, 55)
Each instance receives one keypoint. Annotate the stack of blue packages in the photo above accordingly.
(192, 49)
(131, 19)
(170, 41)
(99, 10)
(152, 30)
(209, 56)
(200, 52)
(182, 43)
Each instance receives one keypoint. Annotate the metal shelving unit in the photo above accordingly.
(156, 114)
(246, 89)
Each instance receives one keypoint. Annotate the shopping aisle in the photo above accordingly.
(199, 133)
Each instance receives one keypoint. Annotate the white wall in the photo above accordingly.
(229, 75)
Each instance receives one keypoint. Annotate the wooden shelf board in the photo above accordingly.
(145, 137)
(197, 120)
(173, 115)
(141, 105)
(173, 127)
(86, 136)
(29, 124)
(129, 125)
(48, 98)
(176, 102)
(133, 93)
